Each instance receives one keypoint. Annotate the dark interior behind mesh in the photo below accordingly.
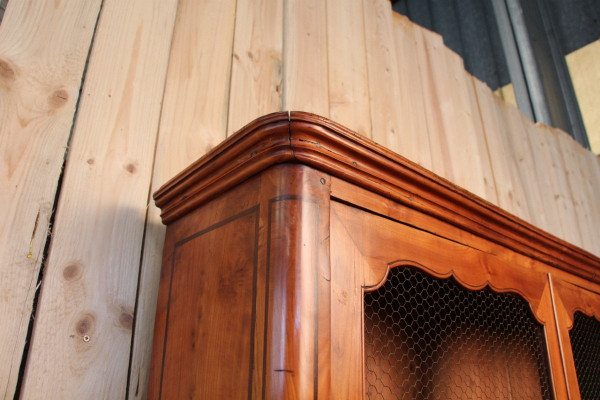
(427, 338)
(585, 341)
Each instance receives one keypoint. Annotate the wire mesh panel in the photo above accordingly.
(428, 338)
(585, 341)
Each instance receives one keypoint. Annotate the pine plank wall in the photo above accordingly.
(102, 101)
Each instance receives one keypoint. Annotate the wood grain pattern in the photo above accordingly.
(43, 50)
(590, 184)
(542, 162)
(568, 299)
(374, 245)
(381, 250)
(556, 174)
(256, 72)
(412, 116)
(297, 363)
(305, 85)
(382, 67)
(347, 62)
(193, 119)
(328, 146)
(204, 303)
(509, 186)
(226, 209)
(583, 199)
(441, 162)
(346, 314)
(458, 150)
(310, 55)
(290, 350)
(308, 333)
(293, 312)
(85, 313)
(520, 146)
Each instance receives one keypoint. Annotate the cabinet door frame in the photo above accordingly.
(569, 298)
(366, 246)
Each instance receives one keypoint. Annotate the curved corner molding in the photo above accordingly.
(309, 139)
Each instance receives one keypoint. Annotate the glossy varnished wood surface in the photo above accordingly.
(568, 299)
(204, 303)
(267, 227)
(325, 145)
(243, 309)
(366, 246)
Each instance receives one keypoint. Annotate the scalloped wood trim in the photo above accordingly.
(575, 298)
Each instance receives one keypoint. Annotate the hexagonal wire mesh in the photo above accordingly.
(428, 338)
(585, 341)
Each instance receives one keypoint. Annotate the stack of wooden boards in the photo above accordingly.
(127, 94)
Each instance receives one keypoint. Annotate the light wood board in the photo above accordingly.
(82, 333)
(43, 49)
(458, 148)
(193, 120)
(305, 86)
(256, 76)
(509, 187)
(412, 116)
(348, 81)
(382, 66)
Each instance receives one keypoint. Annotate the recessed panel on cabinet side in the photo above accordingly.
(208, 351)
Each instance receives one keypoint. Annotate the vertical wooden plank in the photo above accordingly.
(441, 162)
(348, 82)
(562, 191)
(591, 181)
(43, 48)
(412, 117)
(553, 180)
(305, 86)
(465, 127)
(256, 81)
(82, 334)
(542, 162)
(489, 191)
(382, 66)
(193, 120)
(592, 176)
(458, 148)
(346, 311)
(509, 187)
(521, 149)
(582, 183)
(579, 190)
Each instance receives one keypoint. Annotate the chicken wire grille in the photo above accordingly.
(428, 338)
(585, 341)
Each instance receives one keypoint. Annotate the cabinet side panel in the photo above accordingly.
(208, 350)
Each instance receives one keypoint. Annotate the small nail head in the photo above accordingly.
(322, 181)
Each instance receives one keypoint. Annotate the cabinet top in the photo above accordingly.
(299, 137)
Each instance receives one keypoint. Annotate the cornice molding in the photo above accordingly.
(325, 145)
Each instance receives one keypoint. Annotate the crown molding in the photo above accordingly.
(298, 137)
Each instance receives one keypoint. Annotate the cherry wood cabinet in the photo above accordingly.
(304, 261)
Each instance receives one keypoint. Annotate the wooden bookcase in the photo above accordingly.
(275, 238)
